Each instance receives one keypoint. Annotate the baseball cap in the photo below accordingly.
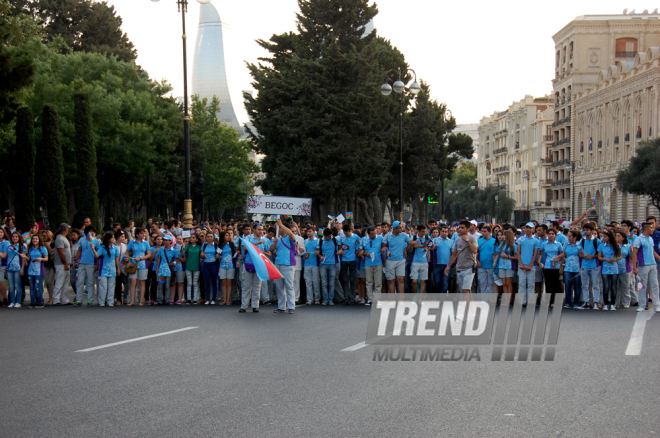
(396, 224)
(167, 237)
(473, 222)
(530, 224)
(64, 226)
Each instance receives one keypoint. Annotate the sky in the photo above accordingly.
(477, 56)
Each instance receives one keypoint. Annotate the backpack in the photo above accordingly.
(318, 259)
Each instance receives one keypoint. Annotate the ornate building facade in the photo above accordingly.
(612, 118)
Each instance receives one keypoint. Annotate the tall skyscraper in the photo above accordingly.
(209, 77)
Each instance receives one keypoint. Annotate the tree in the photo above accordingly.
(51, 154)
(84, 25)
(87, 188)
(319, 117)
(23, 169)
(642, 176)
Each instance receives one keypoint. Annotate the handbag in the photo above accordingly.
(130, 268)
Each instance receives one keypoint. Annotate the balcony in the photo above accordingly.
(561, 122)
(563, 162)
(517, 145)
(616, 140)
(502, 169)
(487, 156)
(561, 182)
(639, 133)
(546, 182)
(500, 133)
(627, 138)
(600, 144)
(499, 151)
(539, 203)
(569, 99)
(625, 54)
(547, 138)
(581, 148)
(546, 160)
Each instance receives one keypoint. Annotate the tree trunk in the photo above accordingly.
(364, 211)
(377, 208)
(389, 209)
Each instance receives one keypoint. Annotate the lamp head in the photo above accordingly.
(386, 89)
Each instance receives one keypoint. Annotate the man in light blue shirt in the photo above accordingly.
(396, 244)
(527, 252)
(371, 249)
(589, 270)
(485, 260)
(312, 278)
(443, 247)
(285, 261)
(328, 251)
(87, 266)
(644, 264)
(419, 269)
(349, 244)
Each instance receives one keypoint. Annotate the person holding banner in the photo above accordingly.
(251, 284)
(285, 245)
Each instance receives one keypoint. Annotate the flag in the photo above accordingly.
(287, 216)
(264, 267)
(331, 217)
(349, 215)
(274, 217)
(307, 256)
(592, 202)
(26, 236)
(428, 231)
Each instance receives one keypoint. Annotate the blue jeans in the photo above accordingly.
(347, 278)
(328, 278)
(14, 278)
(526, 282)
(441, 280)
(210, 271)
(36, 289)
(593, 275)
(572, 288)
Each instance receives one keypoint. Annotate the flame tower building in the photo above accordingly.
(209, 77)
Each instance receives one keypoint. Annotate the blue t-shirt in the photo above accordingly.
(263, 246)
(372, 246)
(527, 247)
(645, 256)
(328, 251)
(87, 256)
(179, 267)
(486, 248)
(396, 246)
(284, 254)
(14, 260)
(572, 257)
(588, 248)
(608, 252)
(107, 264)
(210, 251)
(443, 250)
(350, 245)
(625, 256)
(550, 251)
(4, 244)
(420, 254)
(226, 258)
(164, 269)
(37, 268)
(503, 263)
(311, 245)
(138, 249)
(561, 238)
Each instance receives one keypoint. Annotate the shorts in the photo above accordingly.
(361, 274)
(419, 271)
(180, 276)
(464, 279)
(140, 274)
(395, 268)
(506, 273)
(538, 275)
(226, 274)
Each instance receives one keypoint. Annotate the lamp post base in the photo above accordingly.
(401, 216)
(187, 214)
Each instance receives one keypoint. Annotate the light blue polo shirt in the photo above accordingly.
(373, 247)
(329, 252)
(138, 249)
(550, 251)
(588, 247)
(396, 246)
(420, 253)
(527, 247)
(608, 252)
(486, 248)
(349, 245)
(311, 245)
(443, 250)
(87, 255)
(283, 247)
(645, 256)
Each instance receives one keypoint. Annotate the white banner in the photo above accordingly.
(279, 205)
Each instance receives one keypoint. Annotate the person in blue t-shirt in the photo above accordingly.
(397, 244)
(285, 261)
(108, 260)
(442, 247)
(138, 251)
(37, 254)
(328, 252)
(551, 253)
(572, 278)
(419, 270)
(311, 271)
(209, 262)
(589, 271)
(609, 254)
(644, 265)
(165, 261)
(227, 269)
(349, 244)
(527, 252)
(485, 267)
(87, 265)
(371, 248)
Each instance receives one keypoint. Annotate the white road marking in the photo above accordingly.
(637, 335)
(355, 347)
(135, 340)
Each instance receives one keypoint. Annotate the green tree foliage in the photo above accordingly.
(220, 156)
(87, 188)
(23, 169)
(319, 116)
(50, 153)
(642, 176)
(84, 25)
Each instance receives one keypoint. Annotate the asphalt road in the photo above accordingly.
(280, 375)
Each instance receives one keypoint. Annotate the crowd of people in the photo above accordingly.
(159, 263)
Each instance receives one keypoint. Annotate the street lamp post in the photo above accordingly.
(201, 182)
(571, 168)
(497, 201)
(187, 203)
(400, 88)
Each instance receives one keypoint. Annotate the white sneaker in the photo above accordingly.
(612, 307)
(111, 305)
(207, 303)
(331, 303)
(640, 309)
(212, 302)
(596, 307)
(101, 304)
(17, 306)
(657, 309)
(11, 305)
